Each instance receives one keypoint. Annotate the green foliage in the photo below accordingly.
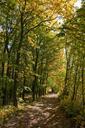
(34, 49)
(73, 101)
(72, 109)
(6, 113)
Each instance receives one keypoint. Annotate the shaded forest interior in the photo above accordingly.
(42, 51)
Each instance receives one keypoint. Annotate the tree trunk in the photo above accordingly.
(83, 100)
(17, 63)
(75, 80)
(15, 90)
(23, 93)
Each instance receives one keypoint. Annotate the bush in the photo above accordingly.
(74, 111)
(71, 108)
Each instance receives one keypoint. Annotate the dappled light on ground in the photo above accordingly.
(44, 113)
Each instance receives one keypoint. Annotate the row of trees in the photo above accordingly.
(32, 49)
(75, 60)
(27, 46)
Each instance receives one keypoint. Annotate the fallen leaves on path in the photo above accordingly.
(44, 113)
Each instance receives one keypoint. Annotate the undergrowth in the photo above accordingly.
(74, 111)
(9, 111)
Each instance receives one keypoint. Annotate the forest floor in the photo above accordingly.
(44, 113)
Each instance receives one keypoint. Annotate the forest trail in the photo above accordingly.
(44, 113)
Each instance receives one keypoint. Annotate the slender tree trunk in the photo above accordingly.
(33, 90)
(7, 79)
(17, 63)
(15, 90)
(34, 83)
(23, 93)
(78, 83)
(4, 86)
(83, 98)
(75, 80)
(3, 89)
(65, 90)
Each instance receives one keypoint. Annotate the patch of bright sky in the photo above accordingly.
(60, 19)
(78, 4)
(1, 28)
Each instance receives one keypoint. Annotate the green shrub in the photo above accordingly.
(71, 108)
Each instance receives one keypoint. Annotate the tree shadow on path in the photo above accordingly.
(45, 113)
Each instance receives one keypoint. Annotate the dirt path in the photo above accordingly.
(42, 114)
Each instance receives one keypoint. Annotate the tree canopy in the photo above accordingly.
(42, 46)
